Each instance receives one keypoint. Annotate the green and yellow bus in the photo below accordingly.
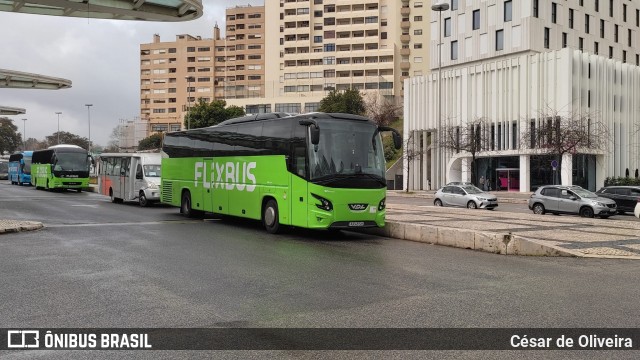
(61, 167)
(317, 170)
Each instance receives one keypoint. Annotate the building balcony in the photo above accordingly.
(405, 38)
(405, 24)
(405, 65)
(405, 11)
(405, 52)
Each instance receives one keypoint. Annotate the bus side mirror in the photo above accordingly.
(314, 128)
(397, 139)
(93, 162)
(315, 135)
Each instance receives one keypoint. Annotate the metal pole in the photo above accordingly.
(24, 134)
(439, 7)
(58, 125)
(189, 102)
(89, 118)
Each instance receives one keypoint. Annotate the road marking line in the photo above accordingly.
(122, 224)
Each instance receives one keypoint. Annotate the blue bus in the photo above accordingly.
(20, 168)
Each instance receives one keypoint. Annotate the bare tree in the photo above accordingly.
(472, 138)
(381, 110)
(557, 133)
(410, 153)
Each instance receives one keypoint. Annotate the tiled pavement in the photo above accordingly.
(572, 234)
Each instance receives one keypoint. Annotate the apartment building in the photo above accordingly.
(287, 56)
(508, 61)
(175, 75)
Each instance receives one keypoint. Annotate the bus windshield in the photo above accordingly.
(27, 164)
(347, 148)
(72, 161)
(152, 170)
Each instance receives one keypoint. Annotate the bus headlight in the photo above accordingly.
(324, 203)
(383, 204)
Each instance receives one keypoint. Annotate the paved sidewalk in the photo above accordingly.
(9, 226)
(515, 233)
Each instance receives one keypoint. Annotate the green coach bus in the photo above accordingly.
(61, 167)
(317, 170)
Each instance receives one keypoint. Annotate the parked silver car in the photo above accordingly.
(558, 199)
(465, 196)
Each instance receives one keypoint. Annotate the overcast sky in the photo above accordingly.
(100, 57)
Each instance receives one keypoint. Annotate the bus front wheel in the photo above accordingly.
(142, 199)
(185, 205)
(270, 217)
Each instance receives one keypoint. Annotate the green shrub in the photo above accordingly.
(621, 181)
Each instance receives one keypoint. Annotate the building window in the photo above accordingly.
(624, 56)
(554, 12)
(447, 27)
(417, 18)
(454, 5)
(629, 37)
(615, 33)
(610, 52)
(476, 20)
(602, 28)
(546, 37)
(595, 48)
(329, 47)
(570, 18)
(288, 108)
(611, 8)
(586, 23)
(507, 11)
(564, 39)
(499, 40)
(417, 32)
(317, 39)
(535, 8)
(580, 44)
(624, 12)
(454, 50)
(596, 5)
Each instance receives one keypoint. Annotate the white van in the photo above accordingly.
(130, 177)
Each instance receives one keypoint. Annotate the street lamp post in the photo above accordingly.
(188, 101)
(89, 117)
(58, 112)
(24, 134)
(439, 7)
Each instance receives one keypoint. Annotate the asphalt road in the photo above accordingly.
(98, 264)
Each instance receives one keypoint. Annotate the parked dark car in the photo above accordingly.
(626, 197)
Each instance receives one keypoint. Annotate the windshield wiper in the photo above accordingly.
(333, 177)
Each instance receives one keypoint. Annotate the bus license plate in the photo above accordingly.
(356, 223)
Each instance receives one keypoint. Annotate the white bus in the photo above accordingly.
(130, 177)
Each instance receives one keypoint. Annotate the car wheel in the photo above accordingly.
(586, 212)
(437, 202)
(270, 217)
(472, 205)
(142, 200)
(538, 209)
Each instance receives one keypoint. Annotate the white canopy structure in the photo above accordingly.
(5, 110)
(150, 10)
(24, 80)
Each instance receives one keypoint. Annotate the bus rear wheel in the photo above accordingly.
(270, 217)
(185, 205)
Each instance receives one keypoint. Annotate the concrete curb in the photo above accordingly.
(496, 243)
(11, 226)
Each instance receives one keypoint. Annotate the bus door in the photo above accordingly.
(125, 187)
(135, 178)
(207, 192)
(299, 187)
